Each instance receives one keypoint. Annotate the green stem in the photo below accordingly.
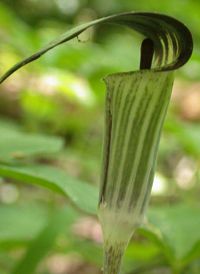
(113, 256)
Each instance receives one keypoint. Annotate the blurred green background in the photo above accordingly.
(52, 113)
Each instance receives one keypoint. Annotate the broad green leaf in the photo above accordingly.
(16, 145)
(139, 254)
(20, 146)
(173, 41)
(177, 228)
(154, 235)
(59, 222)
(19, 224)
(83, 195)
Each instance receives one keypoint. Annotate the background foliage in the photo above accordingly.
(51, 120)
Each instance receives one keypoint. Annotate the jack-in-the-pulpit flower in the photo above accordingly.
(136, 104)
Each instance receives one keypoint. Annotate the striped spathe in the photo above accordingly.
(136, 104)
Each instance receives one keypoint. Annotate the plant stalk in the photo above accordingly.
(113, 256)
